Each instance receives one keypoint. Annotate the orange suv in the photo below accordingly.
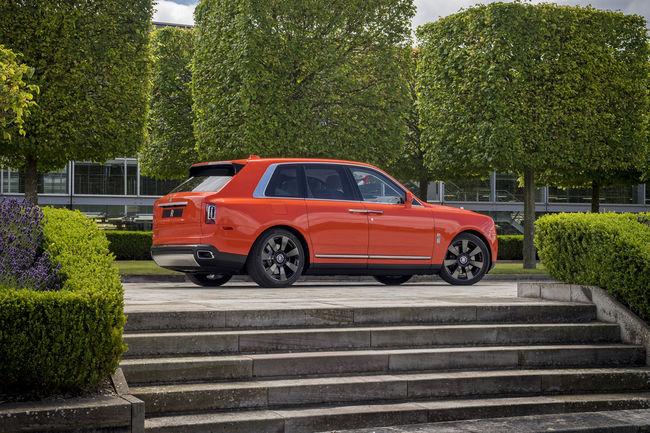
(278, 219)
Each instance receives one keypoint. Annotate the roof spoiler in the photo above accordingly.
(216, 169)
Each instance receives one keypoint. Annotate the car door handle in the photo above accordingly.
(357, 211)
(378, 212)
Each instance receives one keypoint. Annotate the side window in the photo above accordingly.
(376, 188)
(285, 182)
(328, 182)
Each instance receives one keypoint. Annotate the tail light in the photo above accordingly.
(210, 214)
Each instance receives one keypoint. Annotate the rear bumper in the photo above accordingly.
(197, 258)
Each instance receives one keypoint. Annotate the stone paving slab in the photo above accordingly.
(142, 297)
(623, 421)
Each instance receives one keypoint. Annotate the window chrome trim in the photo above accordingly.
(359, 256)
(260, 189)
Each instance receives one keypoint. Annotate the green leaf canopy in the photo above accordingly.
(301, 78)
(91, 62)
(558, 89)
(171, 146)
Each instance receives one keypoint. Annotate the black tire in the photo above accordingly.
(392, 280)
(208, 280)
(276, 259)
(466, 261)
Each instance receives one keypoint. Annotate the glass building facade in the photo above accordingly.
(120, 198)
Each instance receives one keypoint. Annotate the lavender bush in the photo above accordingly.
(23, 264)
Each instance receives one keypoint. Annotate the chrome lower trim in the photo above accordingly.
(358, 256)
(175, 260)
(401, 257)
(340, 256)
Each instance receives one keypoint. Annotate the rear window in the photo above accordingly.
(208, 178)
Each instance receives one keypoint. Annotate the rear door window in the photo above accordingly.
(285, 182)
(328, 182)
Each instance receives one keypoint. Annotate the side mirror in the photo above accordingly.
(409, 200)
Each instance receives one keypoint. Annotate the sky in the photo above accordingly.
(181, 11)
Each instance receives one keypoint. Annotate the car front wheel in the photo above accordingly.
(209, 280)
(466, 261)
(277, 259)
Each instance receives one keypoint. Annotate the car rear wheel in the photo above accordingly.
(209, 280)
(392, 280)
(466, 261)
(277, 259)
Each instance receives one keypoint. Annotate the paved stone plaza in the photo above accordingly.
(141, 297)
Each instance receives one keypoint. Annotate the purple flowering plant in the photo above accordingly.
(23, 263)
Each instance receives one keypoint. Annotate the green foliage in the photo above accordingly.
(91, 64)
(409, 162)
(127, 245)
(171, 146)
(558, 89)
(301, 78)
(16, 96)
(68, 340)
(607, 250)
(510, 247)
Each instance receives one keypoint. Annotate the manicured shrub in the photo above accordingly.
(68, 340)
(128, 245)
(510, 247)
(610, 250)
(23, 264)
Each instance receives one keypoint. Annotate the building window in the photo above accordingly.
(508, 189)
(56, 182)
(151, 186)
(569, 195)
(99, 179)
(478, 190)
(131, 177)
(620, 194)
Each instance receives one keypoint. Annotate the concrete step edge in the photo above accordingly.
(378, 378)
(377, 328)
(328, 418)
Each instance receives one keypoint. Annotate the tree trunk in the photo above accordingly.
(529, 219)
(31, 179)
(595, 196)
(424, 189)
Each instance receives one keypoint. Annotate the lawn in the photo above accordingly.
(149, 267)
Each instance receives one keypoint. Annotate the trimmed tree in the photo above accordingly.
(16, 96)
(301, 78)
(410, 164)
(170, 149)
(526, 89)
(91, 64)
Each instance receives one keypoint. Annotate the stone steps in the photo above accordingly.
(379, 361)
(306, 317)
(274, 340)
(330, 418)
(319, 369)
(264, 394)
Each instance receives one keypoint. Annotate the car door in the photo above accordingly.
(338, 223)
(398, 233)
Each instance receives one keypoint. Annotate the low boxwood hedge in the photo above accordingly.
(609, 250)
(66, 340)
(128, 245)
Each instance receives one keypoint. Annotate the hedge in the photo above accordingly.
(67, 340)
(610, 250)
(128, 245)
